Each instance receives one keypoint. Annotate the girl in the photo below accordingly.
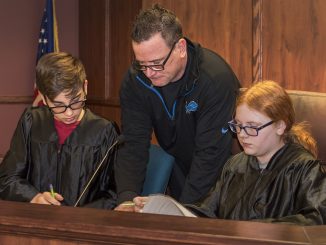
(276, 178)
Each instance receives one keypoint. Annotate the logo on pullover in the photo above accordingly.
(191, 107)
(224, 130)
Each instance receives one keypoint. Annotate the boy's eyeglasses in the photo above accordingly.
(62, 108)
(159, 67)
(249, 130)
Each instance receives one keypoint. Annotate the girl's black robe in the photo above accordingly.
(292, 189)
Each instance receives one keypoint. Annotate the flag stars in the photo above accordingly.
(45, 41)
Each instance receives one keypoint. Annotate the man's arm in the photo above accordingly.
(213, 140)
(132, 158)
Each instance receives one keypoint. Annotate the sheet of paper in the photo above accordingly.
(161, 204)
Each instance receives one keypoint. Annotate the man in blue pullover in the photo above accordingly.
(186, 94)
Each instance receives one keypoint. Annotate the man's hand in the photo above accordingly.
(140, 203)
(127, 206)
(132, 206)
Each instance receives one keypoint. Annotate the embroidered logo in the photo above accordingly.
(191, 107)
(224, 130)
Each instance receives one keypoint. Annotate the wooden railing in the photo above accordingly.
(24, 223)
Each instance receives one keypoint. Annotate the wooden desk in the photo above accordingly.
(24, 223)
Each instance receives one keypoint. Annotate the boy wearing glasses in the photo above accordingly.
(186, 94)
(59, 144)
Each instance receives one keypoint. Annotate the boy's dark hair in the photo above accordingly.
(157, 20)
(59, 72)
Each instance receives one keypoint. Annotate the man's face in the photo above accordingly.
(155, 52)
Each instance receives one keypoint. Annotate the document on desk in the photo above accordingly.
(162, 204)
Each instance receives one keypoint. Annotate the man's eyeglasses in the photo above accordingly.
(159, 67)
(249, 130)
(62, 108)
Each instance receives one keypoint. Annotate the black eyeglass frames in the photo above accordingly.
(73, 106)
(249, 130)
(158, 67)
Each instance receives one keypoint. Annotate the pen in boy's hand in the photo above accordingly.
(52, 191)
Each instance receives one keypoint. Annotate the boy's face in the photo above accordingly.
(66, 109)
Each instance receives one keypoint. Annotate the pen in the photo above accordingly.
(52, 191)
(128, 204)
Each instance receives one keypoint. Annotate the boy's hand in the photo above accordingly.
(46, 198)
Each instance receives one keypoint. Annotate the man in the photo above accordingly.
(183, 92)
(56, 148)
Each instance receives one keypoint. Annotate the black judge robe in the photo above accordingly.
(34, 160)
(292, 189)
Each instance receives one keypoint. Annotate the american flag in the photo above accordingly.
(48, 39)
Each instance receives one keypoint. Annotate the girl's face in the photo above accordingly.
(269, 139)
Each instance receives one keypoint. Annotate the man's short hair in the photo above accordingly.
(59, 72)
(157, 20)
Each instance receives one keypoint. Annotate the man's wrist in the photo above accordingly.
(126, 196)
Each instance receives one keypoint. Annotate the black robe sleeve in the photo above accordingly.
(15, 165)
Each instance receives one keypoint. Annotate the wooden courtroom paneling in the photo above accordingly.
(294, 38)
(108, 111)
(92, 45)
(105, 47)
(42, 224)
(105, 50)
(221, 25)
(260, 39)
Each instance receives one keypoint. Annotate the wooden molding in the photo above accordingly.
(114, 102)
(257, 54)
(16, 99)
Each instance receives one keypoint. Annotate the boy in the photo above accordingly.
(60, 144)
